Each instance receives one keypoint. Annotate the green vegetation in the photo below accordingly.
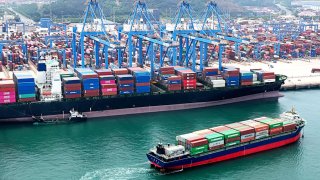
(119, 10)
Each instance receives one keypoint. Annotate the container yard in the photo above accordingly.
(124, 76)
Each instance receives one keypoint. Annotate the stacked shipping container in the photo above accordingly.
(125, 84)
(232, 77)
(275, 126)
(189, 78)
(247, 133)
(90, 82)
(168, 78)
(7, 92)
(246, 78)
(231, 136)
(25, 86)
(71, 87)
(142, 80)
(107, 82)
(261, 130)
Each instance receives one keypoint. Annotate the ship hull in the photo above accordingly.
(135, 104)
(227, 154)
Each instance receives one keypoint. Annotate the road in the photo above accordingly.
(23, 18)
(283, 8)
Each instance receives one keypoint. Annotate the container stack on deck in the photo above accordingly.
(261, 130)
(213, 77)
(247, 133)
(266, 77)
(71, 87)
(232, 77)
(25, 86)
(107, 82)
(7, 92)
(246, 78)
(275, 126)
(142, 80)
(195, 143)
(90, 82)
(231, 136)
(125, 84)
(168, 79)
(287, 125)
(189, 78)
(215, 140)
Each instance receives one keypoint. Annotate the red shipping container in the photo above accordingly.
(289, 127)
(72, 89)
(174, 78)
(197, 143)
(107, 81)
(27, 100)
(72, 85)
(216, 147)
(203, 132)
(104, 72)
(103, 86)
(91, 91)
(246, 83)
(7, 89)
(110, 93)
(91, 94)
(190, 87)
(233, 139)
(126, 82)
(247, 139)
(126, 89)
(72, 96)
(275, 131)
(142, 84)
(109, 90)
(89, 76)
(220, 128)
(7, 93)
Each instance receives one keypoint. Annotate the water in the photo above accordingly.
(114, 148)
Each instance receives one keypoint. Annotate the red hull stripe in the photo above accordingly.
(238, 154)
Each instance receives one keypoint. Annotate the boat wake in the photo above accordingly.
(117, 173)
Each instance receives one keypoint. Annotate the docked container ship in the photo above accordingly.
(227, 142)
(123, 91)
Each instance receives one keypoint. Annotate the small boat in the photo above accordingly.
(74, 116)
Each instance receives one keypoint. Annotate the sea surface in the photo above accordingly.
(115, 148)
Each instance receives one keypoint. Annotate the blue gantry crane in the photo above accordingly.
(93, 27)
(140, 28)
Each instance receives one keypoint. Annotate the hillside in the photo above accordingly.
(119, 10)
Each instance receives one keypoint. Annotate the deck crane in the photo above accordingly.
(93, 27)
(140, 28)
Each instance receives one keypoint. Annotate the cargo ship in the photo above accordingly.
(125, 91)
(227, 142)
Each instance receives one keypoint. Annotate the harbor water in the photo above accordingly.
(115, 148)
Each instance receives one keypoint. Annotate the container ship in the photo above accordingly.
(46, 90)
(227, 142)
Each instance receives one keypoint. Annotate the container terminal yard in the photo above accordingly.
(105, 68)
(171, 85)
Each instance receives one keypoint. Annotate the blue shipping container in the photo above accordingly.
(125, 85)
(126, 92)
(72, 92)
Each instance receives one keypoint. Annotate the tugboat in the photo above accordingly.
(74, 116)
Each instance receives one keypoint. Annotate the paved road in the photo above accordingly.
(283, 8)
(23, 18)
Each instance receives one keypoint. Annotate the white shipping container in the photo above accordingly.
(246, 136)
(218, 86)
(262, 134)
(217, 143)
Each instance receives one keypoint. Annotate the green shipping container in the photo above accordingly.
(272, 123)
(199, 149)
(22, 96)
(66, 75)
(232, 133)
(214, 137)
(232, 143)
